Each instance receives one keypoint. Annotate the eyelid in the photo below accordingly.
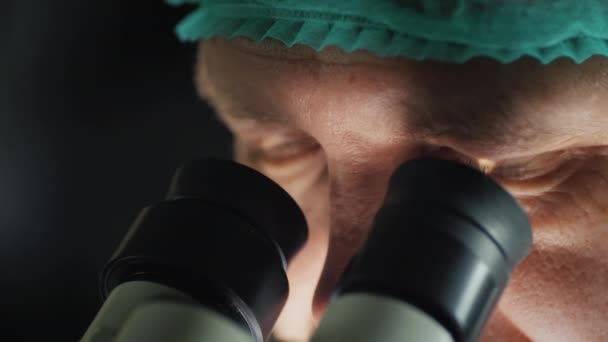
(513, 169)
(289, 150)
(528, 170)
(447, 153)
(285, 147)
(516, 172)
(506, 169)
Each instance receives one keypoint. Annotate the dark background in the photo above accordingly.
(97, 109)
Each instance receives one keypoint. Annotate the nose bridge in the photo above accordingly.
(364, 138)
(358, 176)
(356, 188)
(360, 163)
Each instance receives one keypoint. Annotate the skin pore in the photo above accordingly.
(331, 127)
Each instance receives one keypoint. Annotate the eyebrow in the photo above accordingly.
(421, 128)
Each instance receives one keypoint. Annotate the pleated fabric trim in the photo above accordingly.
(350, 33)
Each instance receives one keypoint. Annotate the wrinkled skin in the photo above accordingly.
(332, 127)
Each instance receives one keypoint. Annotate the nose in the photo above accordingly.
(358, 184)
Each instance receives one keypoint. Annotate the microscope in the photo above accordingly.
(209, 262)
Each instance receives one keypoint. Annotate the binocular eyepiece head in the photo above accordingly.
(444, 242)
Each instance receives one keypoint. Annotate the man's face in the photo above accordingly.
(332, 127)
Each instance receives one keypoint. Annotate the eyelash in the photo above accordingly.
(519, 172)
(292, 151)
(511, 172)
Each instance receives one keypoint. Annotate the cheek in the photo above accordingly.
(559, 291)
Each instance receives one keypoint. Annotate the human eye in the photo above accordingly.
(286, 148)
(295, 161)
(510, 169)
(534, 167)
(282, 152)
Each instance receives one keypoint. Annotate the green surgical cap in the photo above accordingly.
(443, 30)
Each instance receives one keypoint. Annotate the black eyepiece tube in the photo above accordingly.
(223, 236)
(445, 241)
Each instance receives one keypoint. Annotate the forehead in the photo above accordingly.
(478, 73)
(257, 64)
(493, 102)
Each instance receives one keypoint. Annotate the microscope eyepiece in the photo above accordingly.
(223, 236)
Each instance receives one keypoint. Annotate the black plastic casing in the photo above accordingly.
(446, 240)
(224, 236)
